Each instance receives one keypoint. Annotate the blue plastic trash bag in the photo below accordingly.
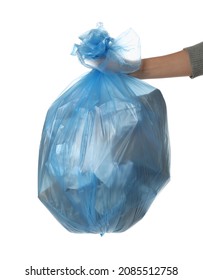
(104, 152)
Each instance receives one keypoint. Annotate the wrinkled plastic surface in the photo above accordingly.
(100, 51)
(104, 153)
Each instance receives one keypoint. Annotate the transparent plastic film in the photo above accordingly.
(99, 51)
(104, 152)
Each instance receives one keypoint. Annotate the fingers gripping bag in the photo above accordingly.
(104, 152)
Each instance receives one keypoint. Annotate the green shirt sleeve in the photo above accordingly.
(196, 58)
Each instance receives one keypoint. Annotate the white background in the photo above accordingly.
(35, 63)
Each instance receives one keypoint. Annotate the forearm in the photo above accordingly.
(172, 65)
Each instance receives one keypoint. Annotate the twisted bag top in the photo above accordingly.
(104, 152)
